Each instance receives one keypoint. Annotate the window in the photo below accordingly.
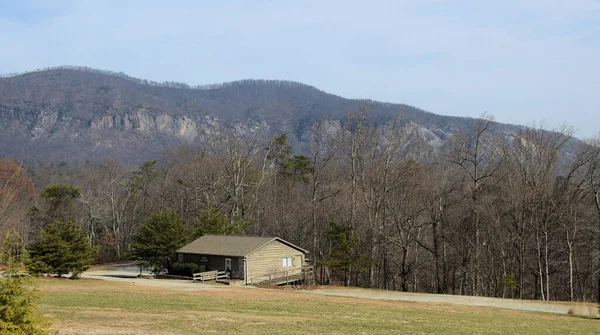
(287, 262)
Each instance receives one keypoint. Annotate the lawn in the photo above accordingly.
(103, 307)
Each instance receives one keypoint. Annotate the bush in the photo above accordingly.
(186, 269)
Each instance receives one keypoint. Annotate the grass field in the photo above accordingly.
(103, 307)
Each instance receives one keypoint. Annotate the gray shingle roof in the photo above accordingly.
(228, 245)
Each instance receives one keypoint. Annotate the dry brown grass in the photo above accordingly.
(102, 307)
(585, 309)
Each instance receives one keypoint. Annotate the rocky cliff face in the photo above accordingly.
(142, 122)
(80, 113)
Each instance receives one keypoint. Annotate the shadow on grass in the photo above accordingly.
(117, 276)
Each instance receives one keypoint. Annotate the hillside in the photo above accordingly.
(80, 113)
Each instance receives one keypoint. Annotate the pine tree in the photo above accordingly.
(345, 258)
(157, 240)
(62, 248)
(213, 221)
(18, 314)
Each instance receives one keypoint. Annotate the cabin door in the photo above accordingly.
(228, 264)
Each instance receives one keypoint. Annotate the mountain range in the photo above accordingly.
(80, 113)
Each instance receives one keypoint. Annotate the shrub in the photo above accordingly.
(186, 269)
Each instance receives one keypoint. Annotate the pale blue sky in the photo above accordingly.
(521, 61)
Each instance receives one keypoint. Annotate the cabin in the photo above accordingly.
(250, 259)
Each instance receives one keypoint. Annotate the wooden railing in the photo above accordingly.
(210, 275)
(304, 274)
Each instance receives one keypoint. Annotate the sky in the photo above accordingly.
(524, 62)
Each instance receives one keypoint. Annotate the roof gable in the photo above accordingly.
(230, 245)
(281, 241)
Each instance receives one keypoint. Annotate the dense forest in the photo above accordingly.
(487, 215)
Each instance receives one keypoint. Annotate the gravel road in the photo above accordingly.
(523, 305)
(129, 273)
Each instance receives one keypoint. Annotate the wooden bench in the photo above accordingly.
(210, 275)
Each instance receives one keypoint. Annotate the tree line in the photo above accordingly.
(166, 83)
(486, 213)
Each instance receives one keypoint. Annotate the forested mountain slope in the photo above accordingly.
(68, 113)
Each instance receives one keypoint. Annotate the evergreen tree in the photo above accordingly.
(60, 202)
(345, 258)
(300, 166)
(282, 156)
(157, 240)
(213, 221)
(61, 248)
(18, 314)
(280, 150)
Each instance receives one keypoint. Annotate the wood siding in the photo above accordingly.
(269, 259)
(217, 263)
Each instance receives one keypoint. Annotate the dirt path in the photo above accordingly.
(523, 305)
